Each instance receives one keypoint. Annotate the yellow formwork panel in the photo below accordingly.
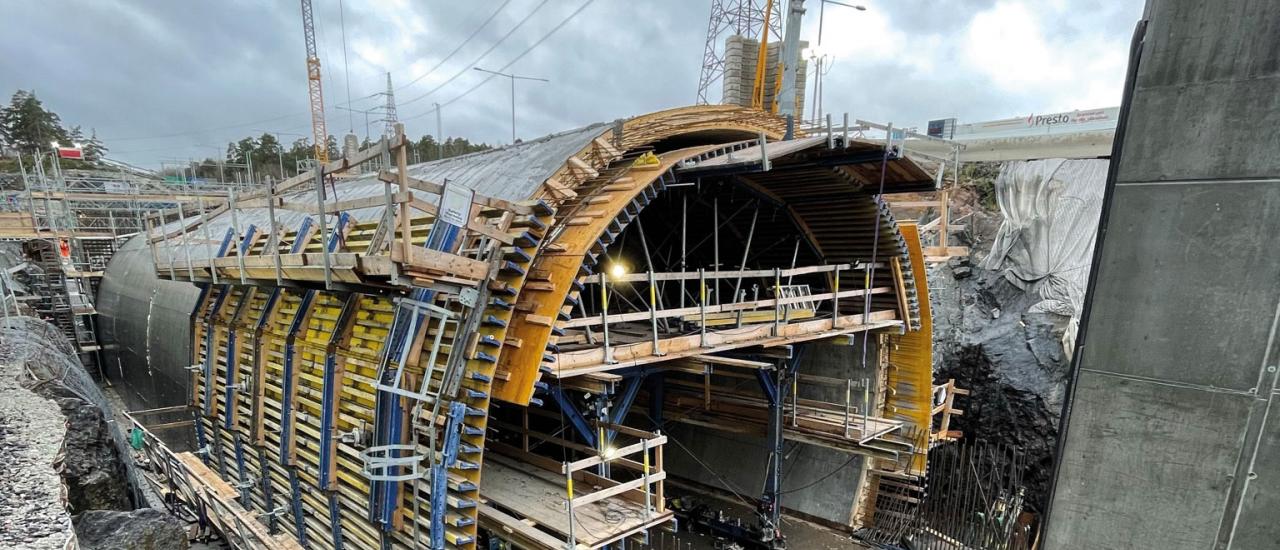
(910, 372)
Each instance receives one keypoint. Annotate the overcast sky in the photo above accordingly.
(164, 80)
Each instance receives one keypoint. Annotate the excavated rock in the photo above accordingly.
(142, 529)
(1010, 359)
(90, 468)
(32, 510)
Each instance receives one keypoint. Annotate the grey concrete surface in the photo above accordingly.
(145, 328)
(740, 460)
(1172, 440)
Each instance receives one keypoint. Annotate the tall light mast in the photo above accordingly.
(318, 132)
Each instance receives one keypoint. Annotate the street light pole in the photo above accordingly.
(513, 78)
(439, 135)
(817, 77)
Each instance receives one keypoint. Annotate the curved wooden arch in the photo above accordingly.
(842, 229)
(555, 278)
(651, 128)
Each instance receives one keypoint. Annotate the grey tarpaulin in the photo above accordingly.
(1045, 243)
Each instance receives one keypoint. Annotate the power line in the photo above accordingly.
(215, 128)
(346, 69)
(459, 48)
(482, 56)
(509, 63)
(433, 90)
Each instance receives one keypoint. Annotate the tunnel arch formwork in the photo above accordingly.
(302, 374)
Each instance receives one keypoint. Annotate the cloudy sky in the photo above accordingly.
(162, 80)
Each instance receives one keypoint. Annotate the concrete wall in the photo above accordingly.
(1167, 442)
(741, 460)
(144, 324)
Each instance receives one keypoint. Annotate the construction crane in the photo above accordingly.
(757, 90)
(744, 18)
(318, 133)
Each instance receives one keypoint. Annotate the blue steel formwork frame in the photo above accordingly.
(233, 358)
(388, 410)
(776, 392)
(287, 390)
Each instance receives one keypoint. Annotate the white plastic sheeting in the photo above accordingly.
(1045, 243)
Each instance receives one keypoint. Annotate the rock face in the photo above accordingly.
(1010, 359)
(1002, 320)
(31, 511)
(91, 470)
(142, 529)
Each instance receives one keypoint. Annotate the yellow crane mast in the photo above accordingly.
(762, 57)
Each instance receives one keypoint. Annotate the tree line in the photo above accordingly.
(27, 127)
(266, 156)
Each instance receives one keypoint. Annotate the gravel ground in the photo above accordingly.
(32, 513)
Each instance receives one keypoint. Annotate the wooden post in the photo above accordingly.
(568, 489)
(524, 433)
(835, 297)
(388, 223)
(648, 508)
(235, 225)
(402, 165)
(944, 226)
(702, 307)
(186, 246)
(155, 260)
(168, 246)
(660, 493)
(604, 317)
(653, 311)
(271, 213)
(324, 227)
(777, 301)
(208, 239)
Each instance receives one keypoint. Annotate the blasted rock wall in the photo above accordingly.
(1005, 318)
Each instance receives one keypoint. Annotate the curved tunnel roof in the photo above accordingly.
(591, 178)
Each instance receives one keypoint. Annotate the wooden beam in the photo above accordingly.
(349, 204)
(472, 224)
(731, 361)
(436, 189)
(442, 262)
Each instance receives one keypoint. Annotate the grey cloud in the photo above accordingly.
(144, 68)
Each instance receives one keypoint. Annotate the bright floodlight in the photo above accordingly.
(617, 271)
(609, 453)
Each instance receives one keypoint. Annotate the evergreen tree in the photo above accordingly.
(27, 126)
(334, 150)
(94, 149)
(75, 135)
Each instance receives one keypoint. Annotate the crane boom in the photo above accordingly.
(757, 90)
(319, 135)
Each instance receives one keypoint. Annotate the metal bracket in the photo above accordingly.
(378, 461)
(469, 296)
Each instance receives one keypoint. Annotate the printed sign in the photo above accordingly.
(455, 204)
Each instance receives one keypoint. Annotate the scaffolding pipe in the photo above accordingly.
(751, 233)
